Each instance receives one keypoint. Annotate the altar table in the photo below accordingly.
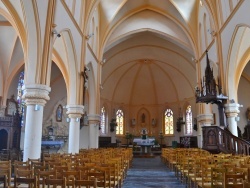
(145, 144)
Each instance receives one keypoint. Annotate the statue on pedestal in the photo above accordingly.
(144, 133)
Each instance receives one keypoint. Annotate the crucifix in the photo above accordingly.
(85, 86)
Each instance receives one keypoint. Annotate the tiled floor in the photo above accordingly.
(150, 173)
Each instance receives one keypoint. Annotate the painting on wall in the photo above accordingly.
(59, 112)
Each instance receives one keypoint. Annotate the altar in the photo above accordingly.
(145, 144)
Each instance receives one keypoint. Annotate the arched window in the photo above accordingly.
(189, 129)
(20, 102)
(103, 121)
(119, 121)
(168, 122)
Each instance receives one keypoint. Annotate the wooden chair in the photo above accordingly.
(86, 183)
(41, 175)
(246, 184)
(5, 172)
(54, 182)
(71, 176)
(233, 180)
(206, 175)
(25, 177)
(100, 177)
(217, 177)
(3, 180)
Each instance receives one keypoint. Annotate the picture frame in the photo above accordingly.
(11, 107)
(59, 113)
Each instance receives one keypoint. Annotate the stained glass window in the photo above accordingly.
(168, 120)
(103, 121)
(189, 129)
(20, 101)
(119, 121)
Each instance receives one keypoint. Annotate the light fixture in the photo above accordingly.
(103, 61)
(89, 36)
(77, 119)
(133, 122)
(67, 120)
(211, 32)
(101, 87)
(237, 118)
(54, 32)
(37, 107)
(153, 121)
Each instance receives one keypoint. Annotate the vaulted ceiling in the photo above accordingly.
(149, 51)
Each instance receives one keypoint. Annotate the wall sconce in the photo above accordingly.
(211, 32)
(101, 87)
(153, 121)
(237, 118)
(89, 36)
(133, 122)
(67, 120)
(37, 107)
(54, 32)
(77, 119)
(103, 61)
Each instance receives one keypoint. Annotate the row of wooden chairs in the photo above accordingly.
(71, 167)
(198, 168)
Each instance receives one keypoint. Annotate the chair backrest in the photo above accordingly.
(54, 182)
(3, 180)
(217, 177)
(246, 184)
(25, 180)
(5, 170)
(86, 183)
(234, 180)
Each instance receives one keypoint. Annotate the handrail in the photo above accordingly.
(216, 140)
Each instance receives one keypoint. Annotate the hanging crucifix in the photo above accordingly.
(85, 86)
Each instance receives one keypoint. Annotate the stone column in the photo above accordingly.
(35, 96)
(94, 122)
(75, 113)
(232, 111)
(203, 120)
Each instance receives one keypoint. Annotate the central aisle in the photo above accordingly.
(150, 172)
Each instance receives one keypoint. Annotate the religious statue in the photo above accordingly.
(144, 133)
(143, 118)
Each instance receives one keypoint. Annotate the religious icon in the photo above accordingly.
(59, 112)
(143, 118)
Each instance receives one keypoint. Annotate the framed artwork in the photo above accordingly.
(11, 107)
(59, 113)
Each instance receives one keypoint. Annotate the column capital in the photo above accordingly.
(74, 110)
(232, 109)
(205, 118)
(94, 118)
(36, 94)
